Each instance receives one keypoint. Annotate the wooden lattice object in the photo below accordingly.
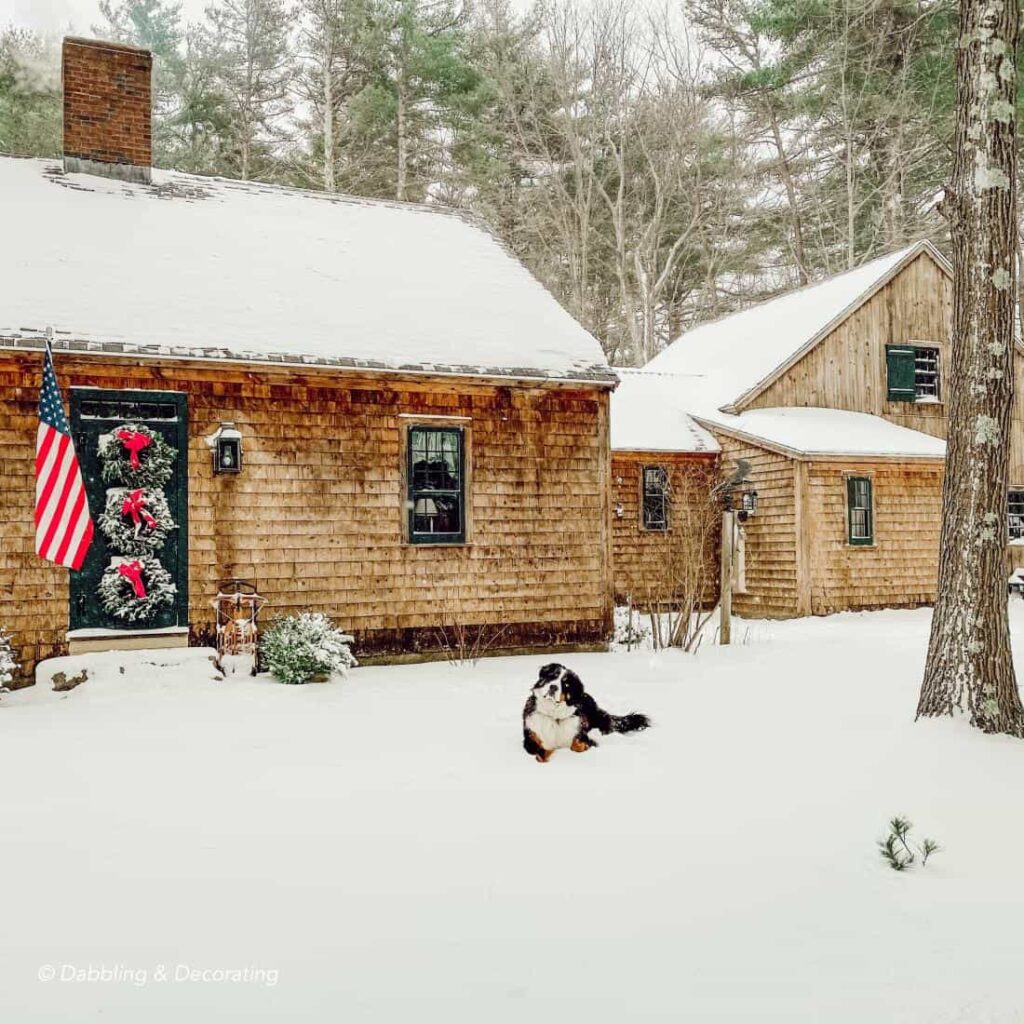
(237, 605)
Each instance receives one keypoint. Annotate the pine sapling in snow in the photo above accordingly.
(895, 847)
(299, 648)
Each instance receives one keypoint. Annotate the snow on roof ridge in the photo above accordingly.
(921, 243)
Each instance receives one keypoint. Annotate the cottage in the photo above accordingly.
(836, 396)
(371, 409)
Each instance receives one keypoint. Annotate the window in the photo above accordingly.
(913, 373)
(926, 374)
(860, 515)
(436, 485)
(1016, 514)
(655, 509)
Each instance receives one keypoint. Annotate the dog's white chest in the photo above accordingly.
(553, 733)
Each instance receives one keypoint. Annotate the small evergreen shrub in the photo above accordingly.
(631, 634)
(298, 648)
(895, 849)
(8, 666)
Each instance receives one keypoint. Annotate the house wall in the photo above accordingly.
(900, 569)
(654, 565)
(798, 559)
(316, 517)
(772, 551)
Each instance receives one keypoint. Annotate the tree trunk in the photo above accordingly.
(328, 119)
(970, 666)
(403, 142)
(786, 175)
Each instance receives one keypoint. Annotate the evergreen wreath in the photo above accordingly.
(136, 522)
(120, 584)
(135, 456)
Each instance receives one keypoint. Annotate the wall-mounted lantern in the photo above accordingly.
(227, 449)
(748, 505)
(619, 510)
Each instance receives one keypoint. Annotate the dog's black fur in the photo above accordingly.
(557, 683)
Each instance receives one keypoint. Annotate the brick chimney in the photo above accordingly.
(107, 109)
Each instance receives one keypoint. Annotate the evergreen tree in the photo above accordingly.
(249, 49)
(420, 83)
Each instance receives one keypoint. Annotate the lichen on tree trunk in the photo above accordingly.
(970, 666)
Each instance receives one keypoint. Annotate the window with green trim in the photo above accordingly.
(860, 511)
(436, 498)
(655, 506)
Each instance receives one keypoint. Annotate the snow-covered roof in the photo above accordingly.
(648, 414)
(817, 432)
(730, 358)
(194, 267)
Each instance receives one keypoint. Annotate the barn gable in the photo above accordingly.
(734, 360)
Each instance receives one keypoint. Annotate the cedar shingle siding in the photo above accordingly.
(318, 517)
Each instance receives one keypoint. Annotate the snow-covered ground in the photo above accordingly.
(381, 849)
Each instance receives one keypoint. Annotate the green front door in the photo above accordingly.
(96, 414)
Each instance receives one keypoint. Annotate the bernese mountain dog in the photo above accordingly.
(559, 714)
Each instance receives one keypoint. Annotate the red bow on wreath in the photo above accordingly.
(135, 443)
(135, 506)
(132, 571)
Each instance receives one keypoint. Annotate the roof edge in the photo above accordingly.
(596, 377)
(804, 456)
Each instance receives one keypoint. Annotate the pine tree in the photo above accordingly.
(420, 74)
(970, 665)
(248, 44)
(332, 70)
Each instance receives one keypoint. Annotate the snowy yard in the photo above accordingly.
(386, 847)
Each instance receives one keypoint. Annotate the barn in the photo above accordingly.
(835, 396)
(368, 409)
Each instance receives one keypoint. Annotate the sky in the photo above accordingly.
(56, 15)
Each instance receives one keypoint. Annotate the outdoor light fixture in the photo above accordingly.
(748, 504)
(227, 449)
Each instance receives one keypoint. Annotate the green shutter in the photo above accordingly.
(860, 511)
(899, 364)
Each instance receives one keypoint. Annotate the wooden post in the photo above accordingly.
(725, 599)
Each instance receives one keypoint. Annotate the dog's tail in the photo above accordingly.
(634, 722)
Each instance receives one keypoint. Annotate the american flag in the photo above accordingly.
(63, 523)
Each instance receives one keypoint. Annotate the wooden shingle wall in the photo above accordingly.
(644, 560)
(316, 517)
(900, 569)
(772, 551)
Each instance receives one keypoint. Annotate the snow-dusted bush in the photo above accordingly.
(629, 632)
(8, 666)
(298, 648)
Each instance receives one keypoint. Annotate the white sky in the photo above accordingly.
(57, 15)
